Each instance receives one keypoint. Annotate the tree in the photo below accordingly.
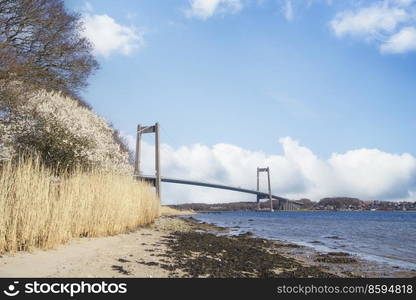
(42, 52)
(41, 45)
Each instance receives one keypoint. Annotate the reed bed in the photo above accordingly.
(169, 211)
(39, 210)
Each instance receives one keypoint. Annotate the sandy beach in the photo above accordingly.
(115, 256)
(173, 247)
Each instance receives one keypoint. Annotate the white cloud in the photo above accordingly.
(368, 20)
(390, 24)
(108, 36)
(204, 9)
(88, 7)
(401, 42)
(288, 10)
(297, 173)
(403, 2)
(374, 174)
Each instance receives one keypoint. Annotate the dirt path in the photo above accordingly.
(117, 256)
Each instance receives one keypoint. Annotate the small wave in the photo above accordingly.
(334, 237)
(317, 243)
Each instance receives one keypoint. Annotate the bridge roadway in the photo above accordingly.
(261, 195)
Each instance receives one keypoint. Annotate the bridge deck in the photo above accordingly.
(217, 186)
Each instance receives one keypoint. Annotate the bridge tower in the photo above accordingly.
(267, 170)
(142, 130)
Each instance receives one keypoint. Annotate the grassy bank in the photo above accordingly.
(169, 211)
(39, 210)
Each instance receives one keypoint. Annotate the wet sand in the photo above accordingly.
(176, 247)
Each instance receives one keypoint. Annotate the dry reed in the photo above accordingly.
(40, 211)
(169, 211)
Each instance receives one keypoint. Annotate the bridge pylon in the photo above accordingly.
(142, 130)
(267, 170)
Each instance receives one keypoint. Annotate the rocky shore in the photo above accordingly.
(205, 250)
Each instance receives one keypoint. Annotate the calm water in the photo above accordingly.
(388, 237)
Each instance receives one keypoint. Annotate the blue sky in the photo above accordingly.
(334, 76)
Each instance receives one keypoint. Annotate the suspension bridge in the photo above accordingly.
(157, 179)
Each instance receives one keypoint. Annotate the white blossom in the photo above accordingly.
(79, 121)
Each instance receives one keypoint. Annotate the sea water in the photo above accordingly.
(386, 237)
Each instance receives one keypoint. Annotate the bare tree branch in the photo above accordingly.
(40, 44)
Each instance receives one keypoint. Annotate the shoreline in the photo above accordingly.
(311, 262)
(300, 211)
(183, 247)
(380, 261)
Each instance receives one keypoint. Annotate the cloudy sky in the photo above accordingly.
(322, 91)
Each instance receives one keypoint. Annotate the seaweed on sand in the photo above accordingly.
(208, 255)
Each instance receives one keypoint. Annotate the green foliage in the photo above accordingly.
(56, 146)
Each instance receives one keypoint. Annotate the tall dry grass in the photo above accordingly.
(40, 211)
(169, 211)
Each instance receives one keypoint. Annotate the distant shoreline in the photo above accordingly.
(325, 204)
(300, 211)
